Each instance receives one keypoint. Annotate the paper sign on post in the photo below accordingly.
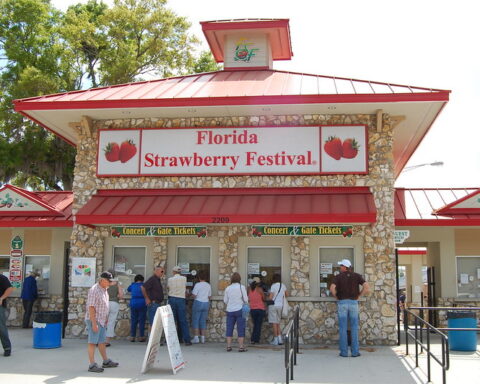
(163, 321)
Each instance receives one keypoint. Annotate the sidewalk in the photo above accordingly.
(211, 363)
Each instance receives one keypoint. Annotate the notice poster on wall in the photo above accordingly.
(83, 271)
(253, 268)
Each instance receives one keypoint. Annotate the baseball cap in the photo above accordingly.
(345, 262)
(176, 269)
(256, 279)
(106, 275)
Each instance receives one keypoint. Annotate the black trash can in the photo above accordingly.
(47, 329)
(462, 340)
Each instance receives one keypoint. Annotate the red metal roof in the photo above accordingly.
(419, 207)
(233, 88)
(232, 206)
(50, 209)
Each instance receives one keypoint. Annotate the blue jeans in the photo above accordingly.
(137, 317)
(180, 315)
(235, 317)
(348, 310)
(200, 314)
(7, 346)
(257, 317)
(151, 310)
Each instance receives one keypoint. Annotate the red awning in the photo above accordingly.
(20, 208)
(230, 206)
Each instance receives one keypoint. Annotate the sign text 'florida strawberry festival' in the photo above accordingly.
(233, 151)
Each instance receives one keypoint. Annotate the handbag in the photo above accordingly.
(285, 308)
(271, 302)
(245, 306)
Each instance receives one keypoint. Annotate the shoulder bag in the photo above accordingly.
(271, 302)
(245, 306)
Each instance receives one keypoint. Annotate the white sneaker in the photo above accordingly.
(280, 340)
(202, 339)
(274, 341)
(195, 340)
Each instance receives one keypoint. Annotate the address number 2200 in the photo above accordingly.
(220, 220)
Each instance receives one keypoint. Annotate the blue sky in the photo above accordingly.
(421, 43)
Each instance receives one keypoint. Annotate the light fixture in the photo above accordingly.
(434, 164)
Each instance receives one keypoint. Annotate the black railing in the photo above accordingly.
(417, 334)
(290, 340)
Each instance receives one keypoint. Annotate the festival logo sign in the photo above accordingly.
(244, 51)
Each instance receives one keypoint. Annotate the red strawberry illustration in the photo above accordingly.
(350, 148)
(333, 147)
(112, 152)
(127, 150)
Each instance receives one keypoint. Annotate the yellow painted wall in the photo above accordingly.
(467, 242)
(38, 241)
(5, 240)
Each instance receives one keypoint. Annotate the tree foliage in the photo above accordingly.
(44, 51)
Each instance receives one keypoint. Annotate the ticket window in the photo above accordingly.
(329, 268)
(127, 263)
(263, 262)
(40, 265)
(5, 266)
(193, 260)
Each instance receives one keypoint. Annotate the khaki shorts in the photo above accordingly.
(274, 314)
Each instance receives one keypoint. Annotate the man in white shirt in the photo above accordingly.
(176, 287)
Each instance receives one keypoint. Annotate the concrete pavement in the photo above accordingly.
(211, 363)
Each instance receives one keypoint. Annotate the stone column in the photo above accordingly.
(227, 254)
(300, 266)
(160, 252)
(85, 242)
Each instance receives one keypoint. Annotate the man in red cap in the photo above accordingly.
(346, 288)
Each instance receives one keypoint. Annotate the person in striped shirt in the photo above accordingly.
(96, 319)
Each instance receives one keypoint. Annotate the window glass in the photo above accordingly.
(193, 260)
(264, 262)
(328, 261)
(41, 265)
(402, 277)
(5, 265)
(468, 276)
(128, 262)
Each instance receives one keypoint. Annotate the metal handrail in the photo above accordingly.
(290, 340)
(445, 358)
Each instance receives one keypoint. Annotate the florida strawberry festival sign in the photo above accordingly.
(233, 151)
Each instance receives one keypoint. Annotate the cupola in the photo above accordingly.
(245, 44)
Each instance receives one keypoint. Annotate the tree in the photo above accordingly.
(33, 64)
(46, 51)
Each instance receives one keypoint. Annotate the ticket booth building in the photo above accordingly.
(248, 170)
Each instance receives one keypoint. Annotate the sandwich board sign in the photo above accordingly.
(163, 321)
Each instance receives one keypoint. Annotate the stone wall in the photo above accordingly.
(378, 316)
(15, 308)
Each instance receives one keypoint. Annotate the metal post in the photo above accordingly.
(287, 359)
(416, 343)
(405, 326)
(397, 280)
(428, 354)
